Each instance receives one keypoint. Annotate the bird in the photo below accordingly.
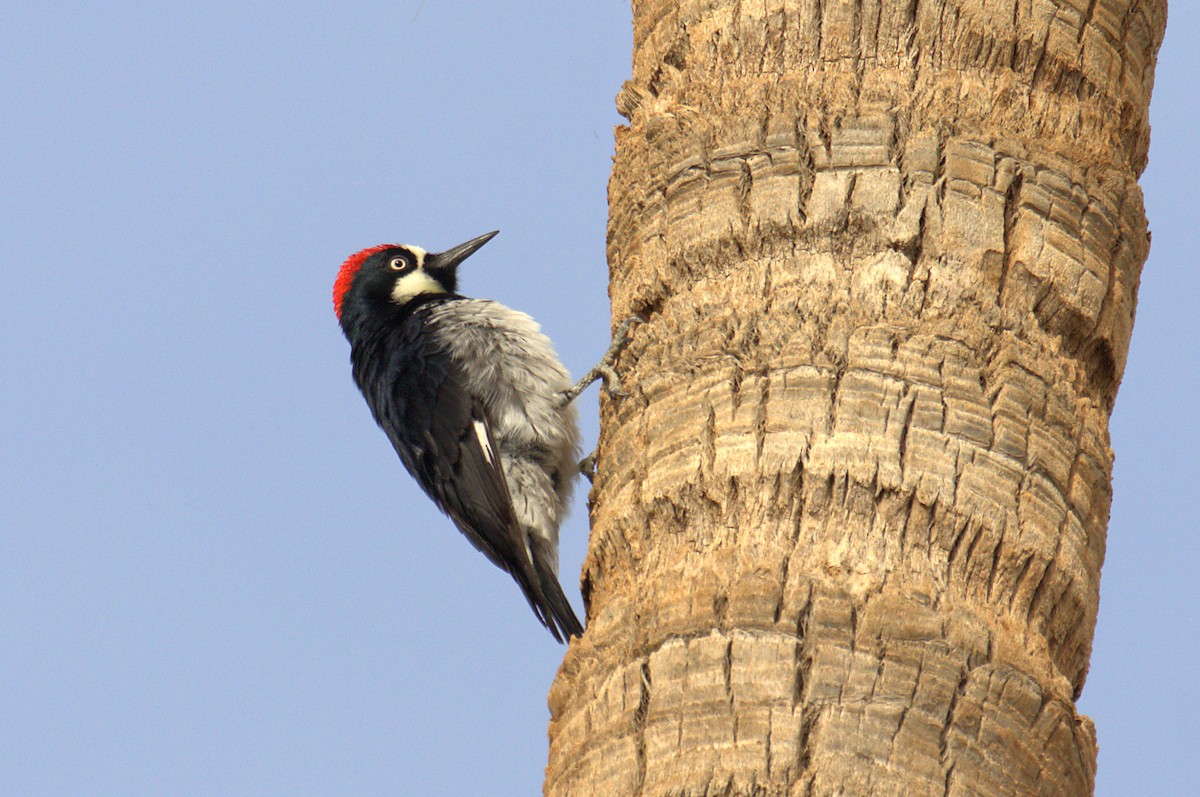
(476, 403)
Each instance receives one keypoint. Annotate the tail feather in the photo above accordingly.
(559, 606)
(546, 598)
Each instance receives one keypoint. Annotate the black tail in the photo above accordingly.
(546, 597)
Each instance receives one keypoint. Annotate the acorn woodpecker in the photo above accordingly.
(476, 403)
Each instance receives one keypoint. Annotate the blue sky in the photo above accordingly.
(214, 576)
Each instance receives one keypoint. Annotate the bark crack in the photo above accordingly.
(1087, 21)
(944, 755)
(639, 725)
(1012, 205)
(908, 402)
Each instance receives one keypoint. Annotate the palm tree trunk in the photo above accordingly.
(848, 528)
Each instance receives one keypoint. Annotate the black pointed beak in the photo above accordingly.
(447, 262)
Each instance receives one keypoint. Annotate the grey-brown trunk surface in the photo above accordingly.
(848, 529)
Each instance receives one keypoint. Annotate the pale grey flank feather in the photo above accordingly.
(515, 371)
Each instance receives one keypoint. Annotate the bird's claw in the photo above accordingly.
(587, 466)
(612, 382)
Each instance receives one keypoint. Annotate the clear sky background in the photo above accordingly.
(215, 578)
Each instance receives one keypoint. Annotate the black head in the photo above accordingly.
(389, 276)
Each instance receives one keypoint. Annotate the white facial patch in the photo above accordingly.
(414, 284)
(481, 433)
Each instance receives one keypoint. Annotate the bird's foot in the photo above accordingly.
(604, 370)
(587, 466)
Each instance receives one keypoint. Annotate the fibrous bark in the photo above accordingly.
(848, 528)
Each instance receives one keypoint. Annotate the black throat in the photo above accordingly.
(363, 320)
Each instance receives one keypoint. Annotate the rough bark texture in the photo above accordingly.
(848, 529)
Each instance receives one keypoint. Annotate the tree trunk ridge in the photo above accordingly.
(848, 528)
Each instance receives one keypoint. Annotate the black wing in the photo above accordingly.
(444, 438)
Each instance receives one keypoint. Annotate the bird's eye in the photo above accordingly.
(398, 263)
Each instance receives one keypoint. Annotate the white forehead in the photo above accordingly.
(418, 252)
